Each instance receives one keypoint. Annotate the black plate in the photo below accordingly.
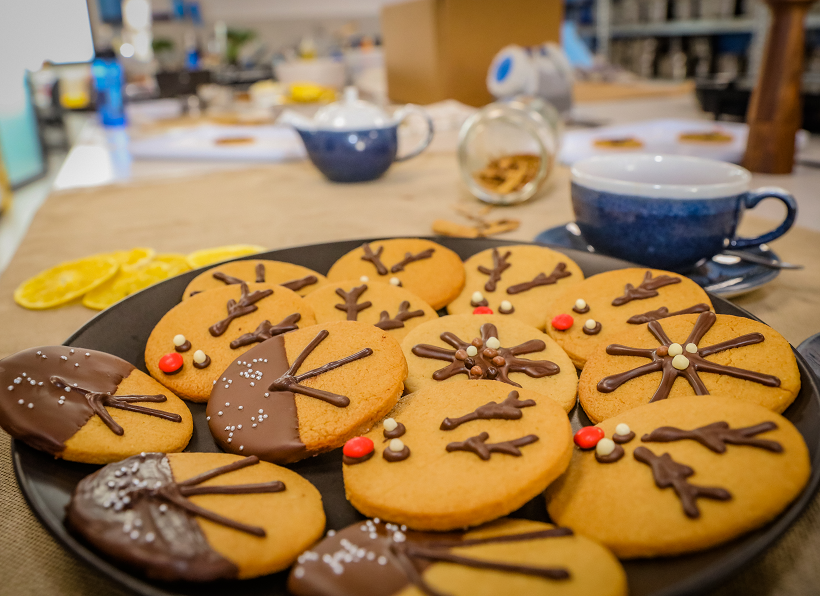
(124, 328)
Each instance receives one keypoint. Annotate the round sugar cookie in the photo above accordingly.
(216, 327)
(440, 351)
(688, 355)
(88, 406)
(307, 391)
(294, 277)
(457, 455)
(432, 272)
(516, 281)
(552, 561)
(705, 469)
(607, 304)
(197, 517)
(388, 307)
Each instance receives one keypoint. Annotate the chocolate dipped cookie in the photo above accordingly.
(294, 277)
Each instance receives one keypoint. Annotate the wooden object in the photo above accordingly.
(774, 112)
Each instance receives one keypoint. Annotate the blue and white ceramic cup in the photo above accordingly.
(667, 211)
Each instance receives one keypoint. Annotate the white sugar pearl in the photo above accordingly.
(589, 324)
(605, 447)
(364, 279)
(30, 405)
(395, 281)
(477, 297)
(472, 350)
(506, 306)
(396, 445)
(691, 348)
(622, 429)
(680, 362)
(675, 349)
(493, 343)
(580, 304)
(390, 424)
(179, 339)
(199, 356)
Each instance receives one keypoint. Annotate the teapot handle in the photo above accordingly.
(405, 113)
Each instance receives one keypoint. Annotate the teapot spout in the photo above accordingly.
(296, 120)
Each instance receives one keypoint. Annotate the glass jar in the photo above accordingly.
(507, 150)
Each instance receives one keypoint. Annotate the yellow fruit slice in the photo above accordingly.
(134, 258)
(177, 262)
(208, 256)
(126, 283)
(65, 282)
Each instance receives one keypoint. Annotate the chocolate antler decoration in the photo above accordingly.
(99, 401)
(509, 409)
(693, 362)
(717, 435)
(482, 449)
(541, 279)
(298, 284)
(386, 323)
(291, 382)
(663, 312)
(410, 258)
(227, 279)
(260, 273)
(648, 288)
(351, 305)
(374, 258)
(500, 265)
(266, 330)
(670, 474)
(245, 306)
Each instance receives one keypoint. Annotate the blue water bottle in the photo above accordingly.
(108, 82)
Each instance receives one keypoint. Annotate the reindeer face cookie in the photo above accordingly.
(432, 272)
(510, 556)
(690, 355)
(516, 281)
(457, 454)
(198, 338)
(587, 316)
(88, 406)
(490, 347)
(294, 277)
(197, 516)
(704, 469)
(388, 307)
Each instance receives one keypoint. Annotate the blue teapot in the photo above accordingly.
(353, 140)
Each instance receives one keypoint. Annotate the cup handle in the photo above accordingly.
(752, 198)
(405, 113)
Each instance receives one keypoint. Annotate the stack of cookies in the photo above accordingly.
(443, 425)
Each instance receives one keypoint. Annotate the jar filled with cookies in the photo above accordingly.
(506, 150)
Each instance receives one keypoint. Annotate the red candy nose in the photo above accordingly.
(482, 310)
(358, 447)
(170, 362)
(562, 322)
(588, 437)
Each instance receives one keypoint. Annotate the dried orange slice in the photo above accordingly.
(208, 256)
(177, 262)
(134, 258)
(65, 282)
(126, 283)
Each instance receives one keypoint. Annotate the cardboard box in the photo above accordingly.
(442, 49)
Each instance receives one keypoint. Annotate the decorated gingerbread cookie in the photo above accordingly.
(457, 454)
(307, 391)
(688, 355)
(88, 406)
(432, 272)
(494, 347)
(294, 277)
(197, 517)
(388, 307)
(586, 316)
(515, 281)
(510, 556)
(198, 338)
(705, 469)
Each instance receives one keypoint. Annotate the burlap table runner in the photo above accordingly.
(287, 205)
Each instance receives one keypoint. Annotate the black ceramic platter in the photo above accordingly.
(124, 328)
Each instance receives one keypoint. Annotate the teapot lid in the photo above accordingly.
(352, 114)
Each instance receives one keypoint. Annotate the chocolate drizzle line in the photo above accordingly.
(394, 456)
(614, 456)
(351, 305)
(386, 323)
(500, 265)
(482, 449)
(662, 361)
(99, 401)
(595, 330)
(541, 279)
(670, 474)
(204, 364)
(648, 288)
(291, 381)
(266, 330)
(298, 284)
(184, 347)
(717, 435)
(245, 306)
(374, 258)
(487, 363)
(260, 273)
(411, 258)
(663, 312)
(509, 409)
(395, 433)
